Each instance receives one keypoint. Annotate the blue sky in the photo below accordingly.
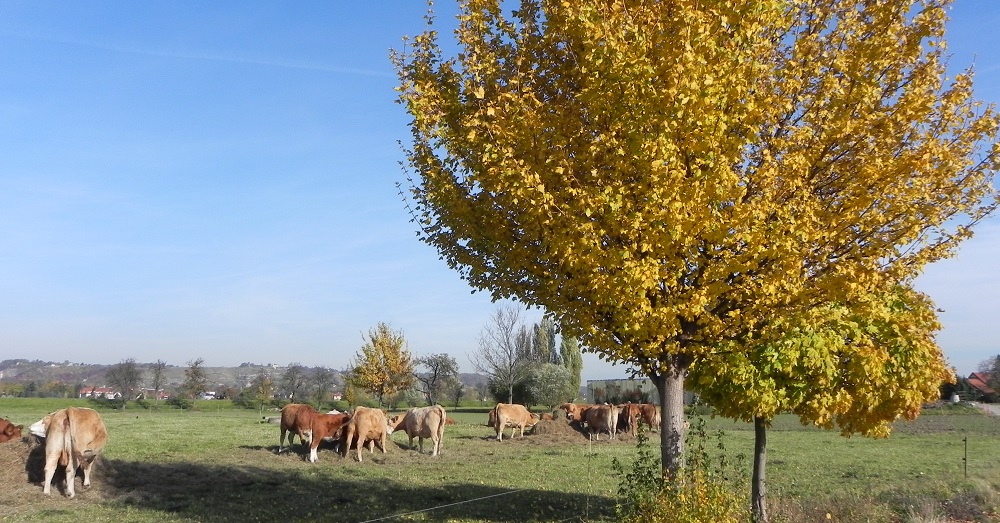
(216, 180)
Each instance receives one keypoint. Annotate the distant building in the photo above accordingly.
(976, 387)
(99, 392)
(154, 394)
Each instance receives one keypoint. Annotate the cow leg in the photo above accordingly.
(86, 463)
(421, 440)
(281, 440)
(410, 445)
(71, 477)
(50, 470)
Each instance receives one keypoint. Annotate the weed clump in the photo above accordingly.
(707, 490)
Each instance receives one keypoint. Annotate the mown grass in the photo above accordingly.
(219, 464)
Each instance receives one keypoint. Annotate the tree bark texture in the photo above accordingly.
(758, 493)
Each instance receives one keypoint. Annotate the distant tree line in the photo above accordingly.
(522, 364)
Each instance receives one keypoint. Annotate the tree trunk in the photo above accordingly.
(758, 494)
(510, 393)
(670, 387)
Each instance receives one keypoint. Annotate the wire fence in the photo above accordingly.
(583, 515)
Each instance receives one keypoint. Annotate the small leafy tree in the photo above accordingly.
(857, 368)
(550, 384)
(195, 379)
(384, 366)
(263, 388)
(126, 378)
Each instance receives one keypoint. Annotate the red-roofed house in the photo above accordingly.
(99, 392)
(979, 382)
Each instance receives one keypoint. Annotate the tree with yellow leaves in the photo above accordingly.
(668, 177)
(858, 368)
(384, 366)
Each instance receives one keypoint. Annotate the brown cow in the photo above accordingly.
(511, 415)
(366, 425)
(73, 438)
(326, 427)
(576, 414)
(650, 415)
(296, 418)
(420, 423)
(9, 431)
(628, 419)
(602, 418)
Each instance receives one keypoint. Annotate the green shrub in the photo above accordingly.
(709, 489)
(181, 403)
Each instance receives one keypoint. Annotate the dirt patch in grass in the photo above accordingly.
(23, 466)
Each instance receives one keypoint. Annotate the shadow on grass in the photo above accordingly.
(249, 493)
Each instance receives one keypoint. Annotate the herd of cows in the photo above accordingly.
(371, 426)
(74, 436)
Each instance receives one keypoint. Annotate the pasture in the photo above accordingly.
(219, 464)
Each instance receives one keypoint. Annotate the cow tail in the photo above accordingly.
(69, 444)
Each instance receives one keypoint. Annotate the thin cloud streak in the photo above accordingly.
(206, 56)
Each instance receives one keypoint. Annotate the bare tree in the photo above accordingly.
(125, 377)
(293, 381)
(323, 379)
(501, 349)
(441, 373)
(159, 375)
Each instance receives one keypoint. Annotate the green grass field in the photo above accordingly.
(219, 464)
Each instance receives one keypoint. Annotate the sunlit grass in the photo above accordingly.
(220, 465)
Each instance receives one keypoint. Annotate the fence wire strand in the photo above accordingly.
(588, 452)
(443, 506)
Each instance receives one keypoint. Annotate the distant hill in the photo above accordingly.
(25, 371)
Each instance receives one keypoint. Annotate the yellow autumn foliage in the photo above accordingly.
(384, 366)
(668, 177)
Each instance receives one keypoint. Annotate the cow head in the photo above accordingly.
(392, 423)
(41, 427)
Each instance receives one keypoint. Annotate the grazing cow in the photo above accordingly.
(628, 419)
(366, 425)
(650, 415)
(602, 418)
(420, 423)
(511, 415)
(9, 431)
(449, 421)
(73, 438)
(296, 418)
(326, 427)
